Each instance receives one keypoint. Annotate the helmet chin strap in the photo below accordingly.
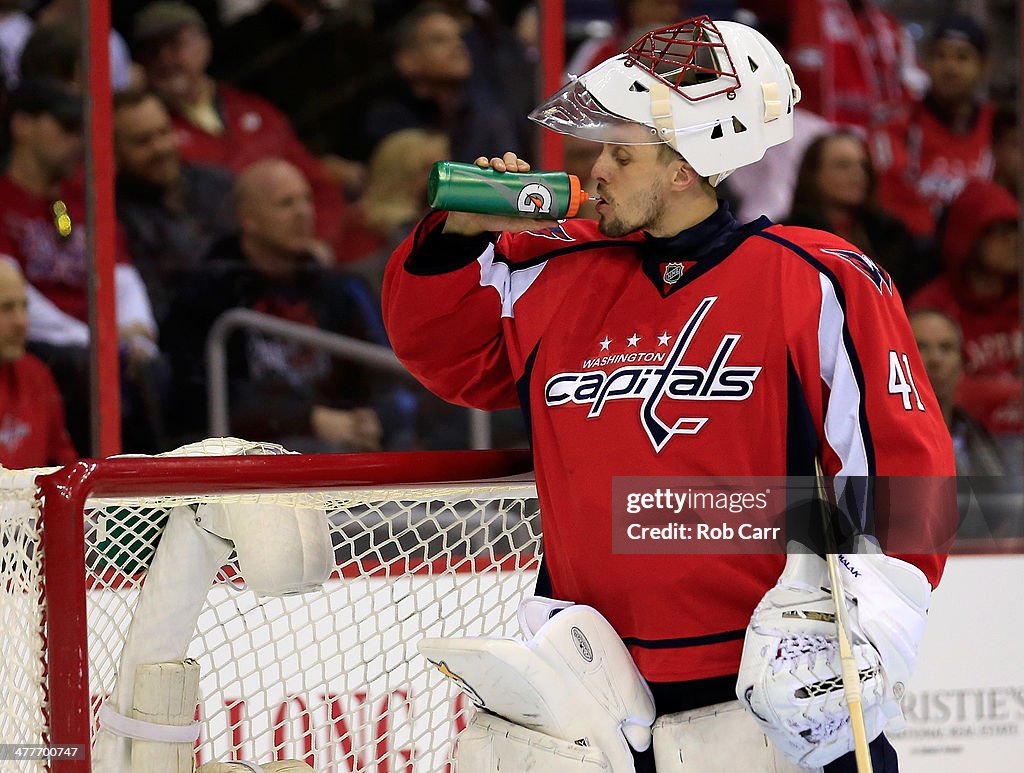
(717, 178)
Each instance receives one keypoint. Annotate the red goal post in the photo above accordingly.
(435, 523)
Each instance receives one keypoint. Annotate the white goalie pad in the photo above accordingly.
(572, 680)
(790, 673)
(490, 743)
(715, 739)
(161, 723)
(282, 550)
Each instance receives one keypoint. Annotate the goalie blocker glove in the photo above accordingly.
(790, 676)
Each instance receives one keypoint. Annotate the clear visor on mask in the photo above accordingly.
(574, 111)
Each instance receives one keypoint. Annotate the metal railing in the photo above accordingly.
(372, 355)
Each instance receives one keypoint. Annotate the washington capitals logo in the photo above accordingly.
(878, 276)
(670, 379)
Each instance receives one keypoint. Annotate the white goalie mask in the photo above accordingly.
(718, 92)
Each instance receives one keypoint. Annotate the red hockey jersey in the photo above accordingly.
(849, 64)
(923, 164)
(775, 341)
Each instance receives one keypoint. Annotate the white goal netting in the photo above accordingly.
(330, 677)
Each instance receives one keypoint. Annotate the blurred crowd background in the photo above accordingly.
(270, 155)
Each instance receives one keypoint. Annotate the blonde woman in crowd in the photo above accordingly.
(395, 197)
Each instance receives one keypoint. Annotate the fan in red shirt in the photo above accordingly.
(980, 291)
(32, 431)
(925, 159)
(854, 63)
(216, 124)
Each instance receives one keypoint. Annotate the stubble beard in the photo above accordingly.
(648, 205)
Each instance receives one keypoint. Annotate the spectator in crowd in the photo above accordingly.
(635, 18)
(1007, 139)
(394, 200)
(925, 159)
(501, 62)
(854, 62)
(216, 123)
(171, 211)
(54, 49)
(766, 188)
(301, 55)
(15, 28)
(123, 13)
(980, 292)
(281, 390)
(42, 206)
(940, 343)
(835, 191)
(32, 430)
(427, 88)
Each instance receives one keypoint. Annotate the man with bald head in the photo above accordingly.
(281, 390)
(274, 205)
(32, 429)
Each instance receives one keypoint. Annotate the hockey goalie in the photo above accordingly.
(669, 339)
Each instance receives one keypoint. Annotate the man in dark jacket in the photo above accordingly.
(281, 390)
(171, 211)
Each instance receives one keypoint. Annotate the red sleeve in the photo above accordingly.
(878, 419)
(444, 323)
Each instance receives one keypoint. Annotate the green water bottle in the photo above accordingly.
(468, 188)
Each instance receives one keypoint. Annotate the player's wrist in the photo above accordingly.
(462, 224)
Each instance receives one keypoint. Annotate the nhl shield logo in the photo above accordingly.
(673, 273)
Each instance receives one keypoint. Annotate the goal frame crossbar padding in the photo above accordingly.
(63, 495)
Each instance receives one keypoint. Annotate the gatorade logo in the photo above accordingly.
(534, 198)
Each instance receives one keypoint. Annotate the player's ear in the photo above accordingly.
(684, 176)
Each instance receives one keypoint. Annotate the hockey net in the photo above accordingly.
(331, 677)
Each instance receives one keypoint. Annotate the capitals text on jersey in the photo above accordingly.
(650, 384)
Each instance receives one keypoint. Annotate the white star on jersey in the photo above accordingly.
(664, 338)
(605, 344)
(632, 340)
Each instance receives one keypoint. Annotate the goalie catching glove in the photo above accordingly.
(570, 696)
(790, 676)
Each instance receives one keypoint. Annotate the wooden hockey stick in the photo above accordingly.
(850, 672)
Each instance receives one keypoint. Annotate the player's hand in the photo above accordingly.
(471, 224)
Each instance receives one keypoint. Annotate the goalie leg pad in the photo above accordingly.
(715, 739)
(573, 680)
(162, 722)
(490, 744)
(281, 550)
